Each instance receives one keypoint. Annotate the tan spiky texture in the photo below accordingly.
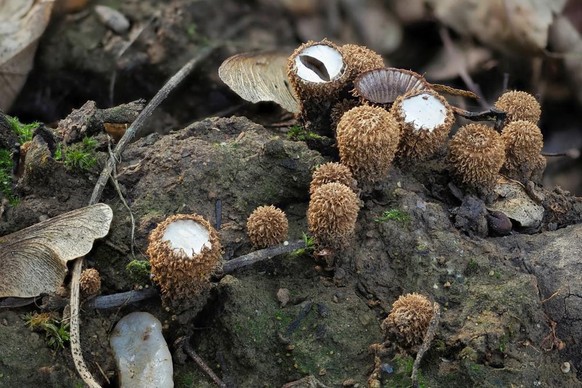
(316, 98)
(339, 108)
(523, 144)
(267, 226)
(359, 59)
(90, 282)
(418, 144)
(367, 138)
(332, 172)
(476, 154)
(332, 214)
(409, 318)
(519, 105)
(180, 277)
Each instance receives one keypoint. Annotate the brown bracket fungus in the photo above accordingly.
(332, 214)
(33, 261)
(519, 105)
(184, 251)
(523, 146)
(332, 172)
(267, 226)
(409, 319)
(367, 138)
(476, 154)
(425, 119)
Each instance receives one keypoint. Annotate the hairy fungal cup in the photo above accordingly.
(90, 282)
(523, 144)
(184, 251)
(476, 154)
(409, 318)
(317, 73)
(367, 138)
(425, 119)
(267, 226)
(332, 172)
(332, 214)
(359, 59)
(519, 105)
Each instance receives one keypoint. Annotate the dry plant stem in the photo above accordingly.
(260, 255)
(428, 337)
(190, 351)
(75, 336)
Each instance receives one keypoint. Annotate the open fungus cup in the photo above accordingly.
(425, 119)
(184, 251)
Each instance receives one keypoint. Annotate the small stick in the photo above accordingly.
(260, 255)
(428, 337)
(120, 299)
(190, 351)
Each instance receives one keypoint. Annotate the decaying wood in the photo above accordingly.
(261, 254)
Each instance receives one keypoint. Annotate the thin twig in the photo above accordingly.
(260, 255)
(190, 351)
(428, 337)
(122, 198)
(120, 299)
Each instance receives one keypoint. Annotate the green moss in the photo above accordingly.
(139, 271)
(472, 268)
(79, 156)
(394, 215)
(400, 378)
(6, 166)
(24, 131)
(299, 133)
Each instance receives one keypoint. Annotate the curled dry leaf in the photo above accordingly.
(34, 260)
(21, 25)
(507, 25)
(260, 77)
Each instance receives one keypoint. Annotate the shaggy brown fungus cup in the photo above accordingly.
(425, 119)
(367, 138)
(90, 282)
(267, 226)
(523, 144)
(184, 251)
(317, 73)
(332, 214)
(519, 106)
(332, 172)
(359, 59)
(476, 154)
(409, 319)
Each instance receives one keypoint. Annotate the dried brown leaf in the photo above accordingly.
(21, 25)
(34, 260)
(260, 77)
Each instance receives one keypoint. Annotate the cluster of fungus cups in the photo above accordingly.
(409, 319)
(521, 135)
(184, 252)
(267, 226)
